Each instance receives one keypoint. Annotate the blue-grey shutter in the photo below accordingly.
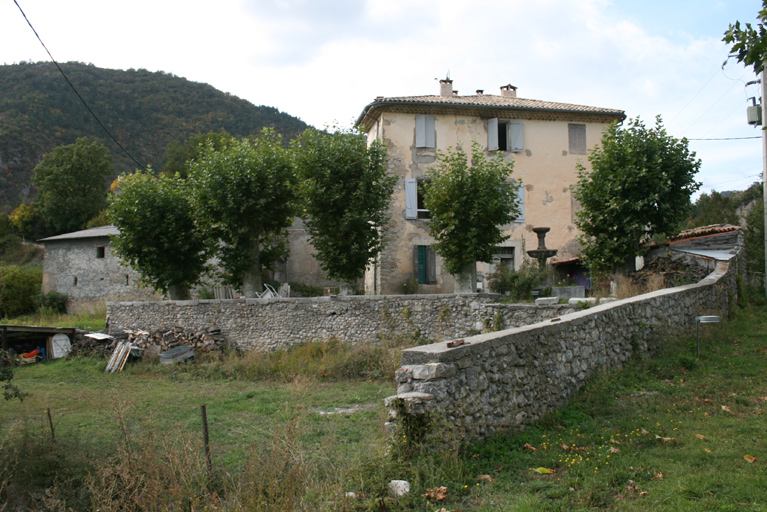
(492, 134)
(411, 198)
(516, 138)
(424, 132)
(520, 203)
(420, 131)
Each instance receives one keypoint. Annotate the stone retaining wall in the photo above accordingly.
(269, 324)
(504, 379)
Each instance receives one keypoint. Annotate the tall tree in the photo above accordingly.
(246, 192)
(160, 236)
(640, 185)
(468, 202)
(72, 184)
(346, 195)
(747, 43)
(178, 155)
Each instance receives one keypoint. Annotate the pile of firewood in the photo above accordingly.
(210, 340)
(162, 340)
(83, 346)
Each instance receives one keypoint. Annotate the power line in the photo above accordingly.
(711, 107)
(732, 138)
(75, 90)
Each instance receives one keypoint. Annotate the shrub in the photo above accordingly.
(55, 302)
(19, 288)
(518, 283)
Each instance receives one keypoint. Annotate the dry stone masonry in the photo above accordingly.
(271, 324)
(509, 378)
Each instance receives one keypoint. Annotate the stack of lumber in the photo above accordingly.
(210, 340)
(162, 340)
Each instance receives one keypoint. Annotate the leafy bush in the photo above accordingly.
(518, 283)
(19, 288)
(55, 302)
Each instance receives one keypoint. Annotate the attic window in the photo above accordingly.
(505, 135)
(100, 251)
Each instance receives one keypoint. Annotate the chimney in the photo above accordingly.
(508, 91)
(446, 87)
(480, 92)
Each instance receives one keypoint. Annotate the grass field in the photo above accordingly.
(667, 434)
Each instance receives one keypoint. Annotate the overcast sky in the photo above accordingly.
(324, 60)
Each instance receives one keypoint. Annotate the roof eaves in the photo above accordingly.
(421, 103)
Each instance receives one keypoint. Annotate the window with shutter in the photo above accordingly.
(424, 264)
(577, 136)
(425, 137)
(504, 135)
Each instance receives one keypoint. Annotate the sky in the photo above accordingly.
(324, 60)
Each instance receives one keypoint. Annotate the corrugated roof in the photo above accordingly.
(100, 231)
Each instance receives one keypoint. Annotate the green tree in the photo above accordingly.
(713, 209)
(178, 155)
(72, 184)
(346, 195)
(246, 193)
(160, 236)
(640, 185)
(754, 237)
(468, 202)
(747, 43)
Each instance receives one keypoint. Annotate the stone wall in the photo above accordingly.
(268, 324)
(504, 379)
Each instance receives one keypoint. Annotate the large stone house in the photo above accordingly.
(545, 139)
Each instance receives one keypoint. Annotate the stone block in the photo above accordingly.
(606, 300)
(546, 301)
(579, 300)
(432, 371)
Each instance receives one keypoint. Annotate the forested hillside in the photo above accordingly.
(144, 110)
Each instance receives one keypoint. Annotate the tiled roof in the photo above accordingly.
(713, 229)
(484, 101)
(100, 231)
(490, 100)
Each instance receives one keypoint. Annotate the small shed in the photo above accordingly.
(19, 339)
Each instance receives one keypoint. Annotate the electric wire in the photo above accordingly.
(93, 114)
(696, 95)
(731, 138)
(711, 107)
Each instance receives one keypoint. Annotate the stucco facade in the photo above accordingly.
(82, 265)
(545, 140)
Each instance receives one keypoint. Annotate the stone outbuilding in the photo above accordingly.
(82, 265)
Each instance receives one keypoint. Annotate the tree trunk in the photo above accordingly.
(179, 292)
(466, 280)
(251, 278)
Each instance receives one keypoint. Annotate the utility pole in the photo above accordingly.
(764, 163)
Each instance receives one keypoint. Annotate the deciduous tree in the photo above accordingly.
(160, 236)
(640, 185)
(72, 184)
(246, 193)
(178, 155)
(468, 202)
(749, 44)
(346, 194)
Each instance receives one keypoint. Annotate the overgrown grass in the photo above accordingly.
(668, 434)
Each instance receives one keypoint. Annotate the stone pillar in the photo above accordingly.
(466, 280)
